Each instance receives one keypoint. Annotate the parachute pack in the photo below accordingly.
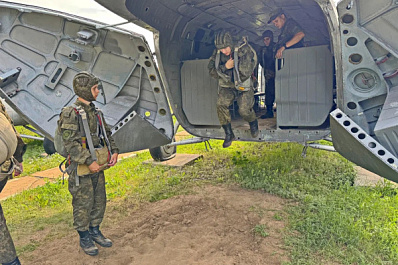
(239, 85)
(100, 155)
(8, 144)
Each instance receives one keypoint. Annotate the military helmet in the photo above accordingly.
(223, 40)
(82, 84)
(8, 139)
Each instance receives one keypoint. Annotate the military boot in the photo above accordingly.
(87, 243)
(254, 128)
(99, 238)
(14, 262)
(268, 114)
(229, 135)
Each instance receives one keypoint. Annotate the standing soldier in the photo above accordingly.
(291, 33)
(86, 178)
(11, 141)
(233, 65)
(267, 61)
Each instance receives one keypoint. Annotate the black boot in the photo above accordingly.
(14, 262)
(229, 135)
(268, 114)
(99, 238)
(87, 243)
(254, 128)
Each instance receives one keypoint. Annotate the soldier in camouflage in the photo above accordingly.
(228, 90)
(291, 36)
(88, 191)
(8, 255)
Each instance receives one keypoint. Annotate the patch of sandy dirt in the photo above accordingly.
(214, 226)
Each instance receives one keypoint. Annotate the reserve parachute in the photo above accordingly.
(8, 139)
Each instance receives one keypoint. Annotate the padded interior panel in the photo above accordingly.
(199, 93)
(304, 87)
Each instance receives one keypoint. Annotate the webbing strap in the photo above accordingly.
(103, 134)
(88, 134)
(217, 61)
(236, 66)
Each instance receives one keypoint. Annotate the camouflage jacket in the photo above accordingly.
(71, 133)
(288, 31)
(246, 64)
(21, 147)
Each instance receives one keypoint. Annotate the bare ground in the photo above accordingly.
(214, 226)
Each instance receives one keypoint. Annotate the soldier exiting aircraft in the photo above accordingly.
(233, 65)
(291, 33)
(11, 144)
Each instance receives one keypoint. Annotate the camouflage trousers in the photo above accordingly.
(88, 200)
(226, 97)
(7, 248)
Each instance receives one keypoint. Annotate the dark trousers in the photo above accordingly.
(270, 92)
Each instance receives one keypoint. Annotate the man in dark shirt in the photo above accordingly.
(267, 61)
(292, 35)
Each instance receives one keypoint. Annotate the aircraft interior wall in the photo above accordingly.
(199, 91)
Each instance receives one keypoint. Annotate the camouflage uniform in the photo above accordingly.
(227, 92)
(288, 31)
(7, 248)
(89, 197)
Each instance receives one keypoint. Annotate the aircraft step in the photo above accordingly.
(386, 128)
(357, 146)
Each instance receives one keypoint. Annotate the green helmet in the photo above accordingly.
(223, 40)
(82, 84)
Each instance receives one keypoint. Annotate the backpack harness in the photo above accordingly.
(85, 139)
(239, 85)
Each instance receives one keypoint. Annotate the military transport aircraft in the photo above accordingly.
(344, 83)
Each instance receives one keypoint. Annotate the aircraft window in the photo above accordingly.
(352, 41)
(339, 115)
(372, 145)
(346, 123)
(352, 105)
(361, 136)
(152, 77)
(348, 19)
(156, 89)
(148, 63)
(354, 130)
(390, 160)
(381, 152)
(141, 48)
(162, 112)
(355, 58)
(345, 31)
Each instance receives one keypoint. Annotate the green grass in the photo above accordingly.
(35, 158)
(328, 219)
(260, 230)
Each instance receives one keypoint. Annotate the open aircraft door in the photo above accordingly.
(365, 125)
(46, 49)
